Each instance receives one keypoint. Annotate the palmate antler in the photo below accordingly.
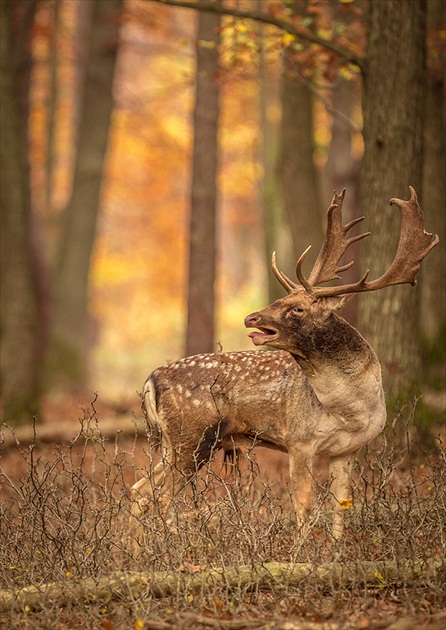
(414, 245)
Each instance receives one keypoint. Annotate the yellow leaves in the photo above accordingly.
(380, 578)
(345, 504)
(139, 625)
(288, 39)
(348, 71)
(325, 33)
(68, 574)
(204, 43)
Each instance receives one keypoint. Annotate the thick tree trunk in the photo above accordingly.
(67, 355)
(18, 301)
(393, 106)
(434, 185)
(200, 331)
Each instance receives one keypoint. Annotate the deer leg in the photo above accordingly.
(170, 476)
(340, 471)
(163, 484)
(302, 482)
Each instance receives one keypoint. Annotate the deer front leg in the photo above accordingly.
(340, 471)
(301, 474)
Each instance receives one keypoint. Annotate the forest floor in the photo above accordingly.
(65, 522)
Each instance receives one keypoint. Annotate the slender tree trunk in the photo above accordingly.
(393, 107)
(299, 180)
(202, 249)
(434, 186)
(342, 170)
(18, 298)
(52, 107)
(277, 235)
(68, 350)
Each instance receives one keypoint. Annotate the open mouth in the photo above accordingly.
(262, 335)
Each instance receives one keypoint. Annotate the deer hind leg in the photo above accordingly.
(177, 467)
(340, 471)
(158, 489)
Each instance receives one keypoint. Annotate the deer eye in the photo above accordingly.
(298, 310)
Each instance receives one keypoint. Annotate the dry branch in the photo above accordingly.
(264, 18)
(266, 576)
(66, 432)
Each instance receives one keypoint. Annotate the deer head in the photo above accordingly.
(304, 320)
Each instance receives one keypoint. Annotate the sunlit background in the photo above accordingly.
(139, 271)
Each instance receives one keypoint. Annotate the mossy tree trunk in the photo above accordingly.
(394, 107)
(18, 298)
(434, 183)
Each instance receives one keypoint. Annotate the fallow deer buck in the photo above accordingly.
(321, 393)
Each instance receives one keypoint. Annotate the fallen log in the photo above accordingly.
(265, 576)
(66, 432)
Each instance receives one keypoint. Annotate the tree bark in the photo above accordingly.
(342, 170)
(200, 333)
(267, 575)
(277, 235)
(18, 298)
(393, 106)
(299, 181)
(434, 186)
(66, 363)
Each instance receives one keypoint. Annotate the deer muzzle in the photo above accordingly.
(264, 334)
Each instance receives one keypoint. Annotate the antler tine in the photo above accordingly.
(334, 247)
(300, 276)
(287, 284)
(413, 246)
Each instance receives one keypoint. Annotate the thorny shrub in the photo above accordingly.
(65, 515)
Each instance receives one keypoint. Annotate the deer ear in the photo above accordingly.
(338, 303)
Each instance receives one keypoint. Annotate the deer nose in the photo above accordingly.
(252, 320)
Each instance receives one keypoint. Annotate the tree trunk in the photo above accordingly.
(67, 355)
(393, 107)
(277, 235)
(200, 331)
(342, 170)
(18, 302)
(299, 181)
(434, 186)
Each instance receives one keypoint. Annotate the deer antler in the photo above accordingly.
(334, 247)
(413, 246)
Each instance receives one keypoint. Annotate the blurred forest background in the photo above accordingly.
(153, 157)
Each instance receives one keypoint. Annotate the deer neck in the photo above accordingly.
(342, 369)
